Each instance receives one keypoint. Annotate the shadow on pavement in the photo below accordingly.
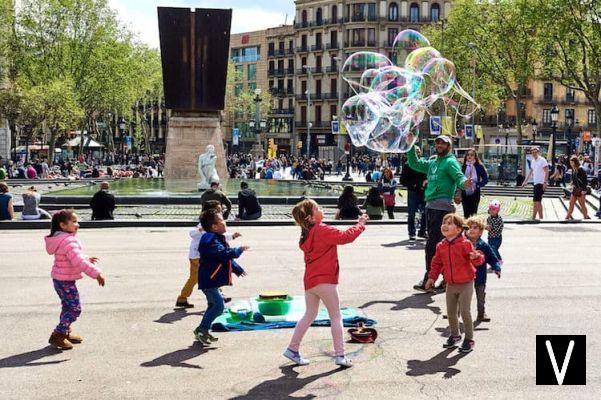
(446, 332)
(440, 363)
(284, 386)
(416, 245)
(176, 315)
(177, 358)
(28, 359)
(417, 301)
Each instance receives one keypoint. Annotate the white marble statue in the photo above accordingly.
(206, 168)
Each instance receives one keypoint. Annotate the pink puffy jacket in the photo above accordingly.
(69, 260)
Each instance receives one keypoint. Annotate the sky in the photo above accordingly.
(248, 15)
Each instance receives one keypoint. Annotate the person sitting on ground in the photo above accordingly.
(374, 204)
(31, 203)
(214, 193)
(248, 204)
(347, 204)
(7, 211)
(31, 172)
(102, 203)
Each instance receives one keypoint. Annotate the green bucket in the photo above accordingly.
(274, 307)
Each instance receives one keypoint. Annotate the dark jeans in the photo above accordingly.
(470, 203)
(480, 298)
(215, 308)
(495, 243)
(434, 221)
(415, 201)
(250, 217)
(390, 210)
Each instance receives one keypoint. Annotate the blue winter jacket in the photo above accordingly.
(217, 261)
(490, 258)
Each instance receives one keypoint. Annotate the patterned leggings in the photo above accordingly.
(67, 291)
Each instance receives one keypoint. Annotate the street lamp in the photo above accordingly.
(308, 93)
(348, 146)
(569, 124)
(554, 116)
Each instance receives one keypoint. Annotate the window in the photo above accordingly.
(271, 49)
(319, 16)
(252, 72)
(393, 12)
(371, 37)
(333, 111)
(318, 62)
(239, 72)
(318, 86)
(280, 104)
(318, 40)
(238, 89)
(358, 37)
(569, 116)
(304, 41)
(435, 12)
(271, 65)
(334, 14)
(371, 11)
(291, 45)
(246, 54)
(359, 12)
(282, 47)
(280, 85)
(303, 87)
(280, 66)
(333, 39)
(570, 95)
(304, 17)
(592, 118)
(270, 83)
(414, 12)
(317, 114)
(303, 114)
(548, 91)
(392, 32)
(547, 116)
(252, 86)
(290, 104)
(290, 87)
(290, 65)
(333, 86)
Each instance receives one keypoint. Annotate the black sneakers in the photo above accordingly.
(184, 304)
(451, 342)
(467, 346)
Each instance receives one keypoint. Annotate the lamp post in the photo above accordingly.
(308, 93)
(569, 124)
(534, 126)
(554, 116)
(348, 146)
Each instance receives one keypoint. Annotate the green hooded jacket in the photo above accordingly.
(444, 174)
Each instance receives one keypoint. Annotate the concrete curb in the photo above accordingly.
(124, 223)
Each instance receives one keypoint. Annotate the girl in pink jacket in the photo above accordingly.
(69, 263)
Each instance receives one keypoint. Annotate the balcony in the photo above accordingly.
(330, 96)
(279, 92)
(280, 52)
(332, 46)
(372, 18)
(302, 49)
(335, 21)
(358, 18)
(301, 71)
(290, 51)
(320, 22)
(300, 25)
(371, 43)
(289, 71)
(387, 43)
(355, 43)
(290, 91)
(271, 53)
(303, 97)
(546, 100)
(332, 69)
(317, 70)
(317, 47)
(282, 111)
(300, 124)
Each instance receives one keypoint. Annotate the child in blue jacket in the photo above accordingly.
(476, 228)
(218, 263)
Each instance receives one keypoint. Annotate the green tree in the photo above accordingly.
(503, 36)
(572, 46)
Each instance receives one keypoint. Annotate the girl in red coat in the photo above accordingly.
(318, 241)
(456, 258)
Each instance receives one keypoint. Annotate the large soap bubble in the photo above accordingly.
(389, 101)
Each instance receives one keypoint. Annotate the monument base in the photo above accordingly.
(257, 151)
(188, 135)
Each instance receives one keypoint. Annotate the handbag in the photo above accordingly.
(389, 199)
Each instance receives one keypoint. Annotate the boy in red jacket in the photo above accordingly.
(456, 257)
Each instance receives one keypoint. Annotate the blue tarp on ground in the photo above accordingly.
(225, 322)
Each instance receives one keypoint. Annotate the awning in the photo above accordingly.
(87, 141)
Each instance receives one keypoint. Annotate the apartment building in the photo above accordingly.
(326, 33)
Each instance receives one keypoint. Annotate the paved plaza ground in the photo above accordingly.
(137, 347)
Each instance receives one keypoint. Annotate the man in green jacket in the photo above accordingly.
(444, 176)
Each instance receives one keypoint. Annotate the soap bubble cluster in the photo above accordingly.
(390, 101)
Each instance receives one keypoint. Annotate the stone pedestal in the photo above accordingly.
(188, 135)
(257, 151)
(4, 140)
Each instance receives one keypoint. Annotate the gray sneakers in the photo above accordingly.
(343, 361)
(204, 337)
(295, 357)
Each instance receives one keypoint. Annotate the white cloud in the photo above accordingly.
(141, 17)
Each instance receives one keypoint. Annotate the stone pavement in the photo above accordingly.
(137, 347)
